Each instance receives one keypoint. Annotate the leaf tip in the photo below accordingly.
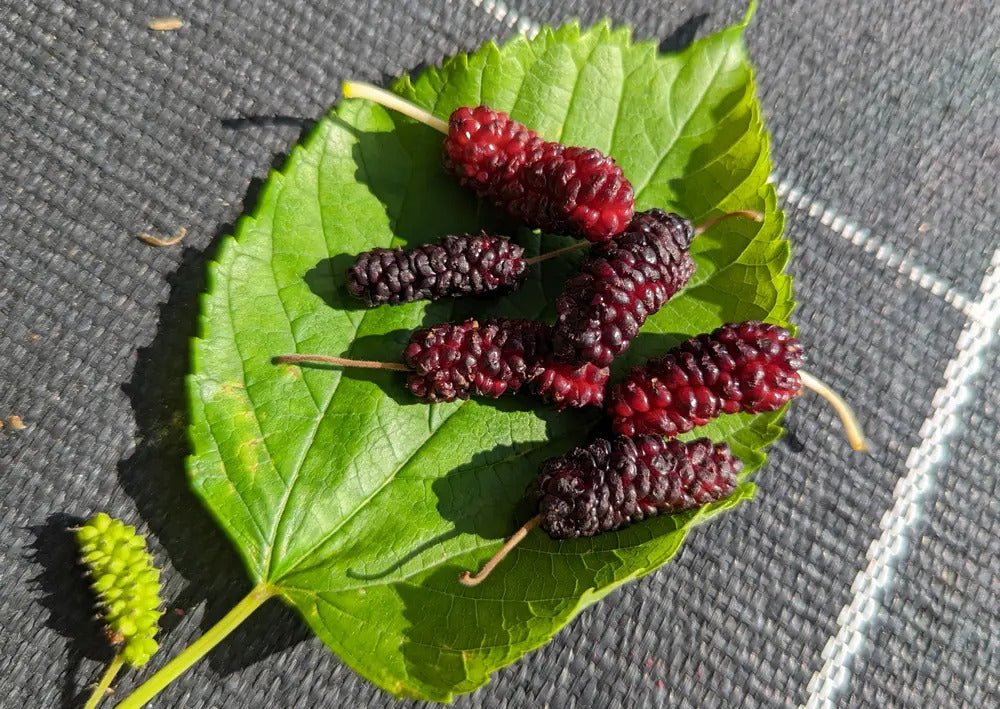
(748, 15)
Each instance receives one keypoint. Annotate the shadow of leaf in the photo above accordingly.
(154, 477)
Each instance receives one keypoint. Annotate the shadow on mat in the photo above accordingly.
(154, 477)
(66, 595)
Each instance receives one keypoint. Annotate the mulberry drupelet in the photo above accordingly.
(608, 485)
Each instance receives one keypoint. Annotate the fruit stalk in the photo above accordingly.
(363, 90)
(750, 214)
(339, 362)
(467, 578)
(852, 427)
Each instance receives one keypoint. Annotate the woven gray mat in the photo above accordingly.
(858, 580)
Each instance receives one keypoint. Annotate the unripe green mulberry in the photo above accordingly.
(126, 583)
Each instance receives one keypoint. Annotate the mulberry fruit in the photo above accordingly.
(455, 361)
(458, 360)
(457, 266)
(611, 484)
(560, 189)
(546, 185)
(750, 367)
(621, 284)
(126, 583)
(608, 485)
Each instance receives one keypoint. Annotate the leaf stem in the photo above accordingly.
(558, 252)
(468, 579)
(852, 428)
(745, 213)
(101, 690)
(360, 89)
(196, 650)
(339, 361)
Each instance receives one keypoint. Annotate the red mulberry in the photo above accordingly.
(455, 361)
(457, 266)
(621, 284)
(546, 185)
(459, 360)
(565, 190)
(748, 366)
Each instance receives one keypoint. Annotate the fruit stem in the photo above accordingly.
(360, 89)
(852, 428)
(468, 579)
(339, 361)
(196, 650)
(101, 690)
(745, 213)
(558, 252)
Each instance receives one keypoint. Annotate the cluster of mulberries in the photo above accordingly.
(636, 263)
(126, 582)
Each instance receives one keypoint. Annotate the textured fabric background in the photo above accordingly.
(851, 580)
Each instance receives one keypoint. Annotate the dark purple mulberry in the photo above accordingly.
(457, 266)
(621, 284)
(607, 485)
(559, 189)
(458, 360)
(749, 366)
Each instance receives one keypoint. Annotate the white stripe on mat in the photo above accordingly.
(862, 238)
(859, 236)
(503, 13)
(872, 582)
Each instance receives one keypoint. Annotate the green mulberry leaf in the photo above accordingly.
(359, 505)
